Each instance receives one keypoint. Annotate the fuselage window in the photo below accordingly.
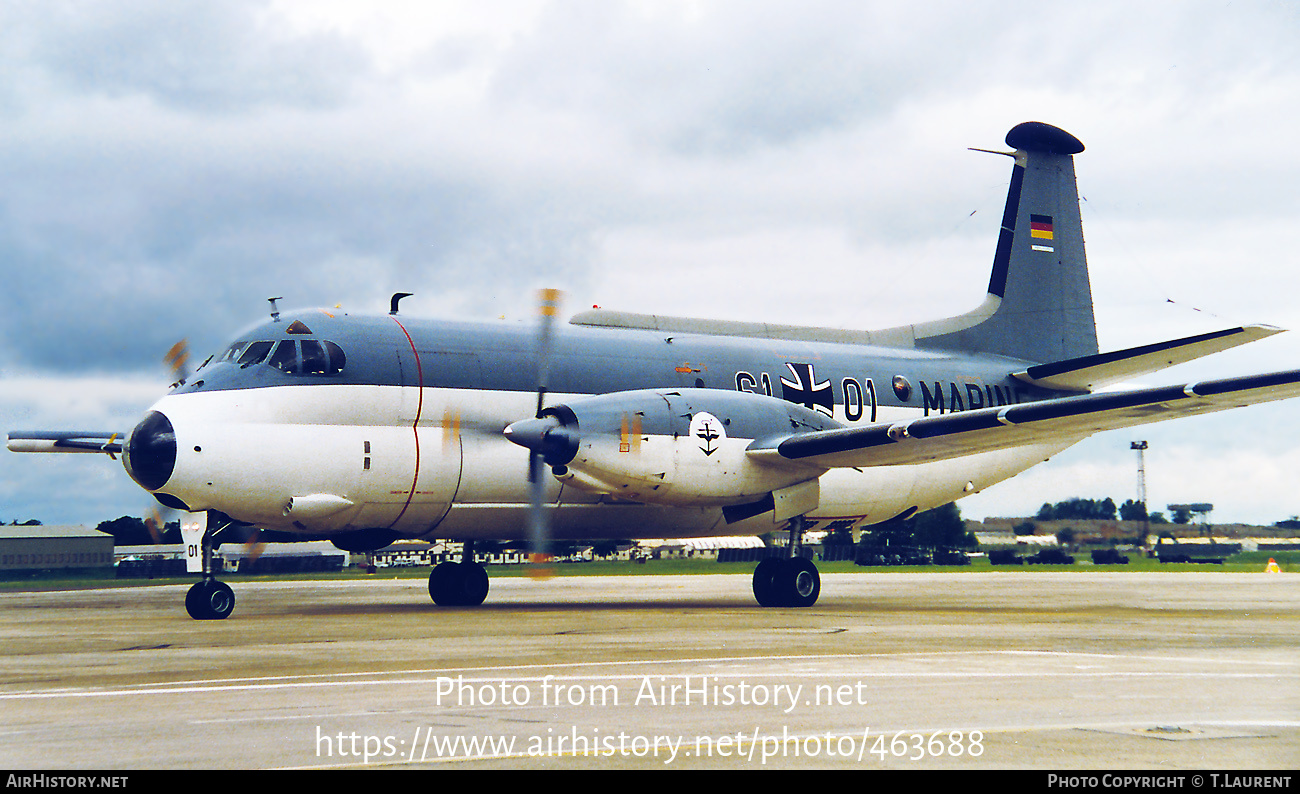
(337, 360)
(232, 352)
(314, 359)
(305, 357)
(254, 354)
(321, 358)
(285, 358)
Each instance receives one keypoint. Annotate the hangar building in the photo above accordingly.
(35, 548)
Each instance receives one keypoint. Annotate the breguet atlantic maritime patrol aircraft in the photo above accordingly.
(365, 429)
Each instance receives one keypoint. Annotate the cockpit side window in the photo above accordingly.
(314, 359)
(321, 358)
(337, 360)
(285, 358)
(293, 357)
(254, 353)
(232, 352)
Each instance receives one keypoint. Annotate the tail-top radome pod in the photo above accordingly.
(1040, 273)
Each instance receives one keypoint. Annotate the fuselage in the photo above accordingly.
(327, 423)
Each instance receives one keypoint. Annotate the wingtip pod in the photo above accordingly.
(1035, 136)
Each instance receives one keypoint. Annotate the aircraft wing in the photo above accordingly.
(1069, 419)
(66, 441)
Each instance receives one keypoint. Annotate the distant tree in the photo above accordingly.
(169, 532)
(127, 531)
(840, 536)
(1182, 516)
(1024, 528)
(1078, 509)
(1158, 518)
(1108, 509)
(943, 528)
(1065, 537)
(564, 548)
(605, 548)
(1133, 511)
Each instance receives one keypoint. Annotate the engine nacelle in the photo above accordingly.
(681, 447)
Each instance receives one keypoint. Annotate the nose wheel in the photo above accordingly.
(210, 600)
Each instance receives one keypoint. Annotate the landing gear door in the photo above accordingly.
(192, 528)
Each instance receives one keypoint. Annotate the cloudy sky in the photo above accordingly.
(165, 167)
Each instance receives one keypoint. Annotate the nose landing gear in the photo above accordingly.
(209, 599)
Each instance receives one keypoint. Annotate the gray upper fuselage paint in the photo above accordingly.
(502, 357)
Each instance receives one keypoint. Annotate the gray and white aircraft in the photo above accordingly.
(365, 429)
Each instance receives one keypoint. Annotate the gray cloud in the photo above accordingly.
(207, 55)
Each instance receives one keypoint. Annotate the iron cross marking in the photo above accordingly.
(806, 391)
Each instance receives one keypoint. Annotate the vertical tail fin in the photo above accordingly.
(1040, 274)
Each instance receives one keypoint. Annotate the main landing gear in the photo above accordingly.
(459, 584)
(210, 599)
(789, 582)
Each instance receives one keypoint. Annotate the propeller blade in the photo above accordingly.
(548, 306)
(539, 529)
(629, 439)
(178, 359)
(155, 523)
(450, 428)
(539, 525)
(254, 545)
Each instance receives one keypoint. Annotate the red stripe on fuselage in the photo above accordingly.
(415, 426)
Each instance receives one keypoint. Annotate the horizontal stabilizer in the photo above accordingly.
(1091, 372)
(1065, 421)
(65, 441)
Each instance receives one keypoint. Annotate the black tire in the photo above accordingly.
(442, 583)
(799, 583)
(458, 584)
(473, 585)
(210, 600)
(765, 582)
